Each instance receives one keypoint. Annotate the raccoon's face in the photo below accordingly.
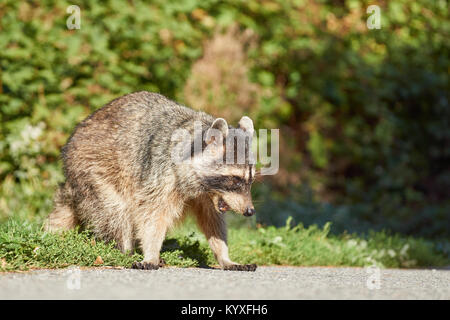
(232, 192)
(228, 166)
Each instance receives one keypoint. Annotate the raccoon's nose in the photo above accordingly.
(249, 212)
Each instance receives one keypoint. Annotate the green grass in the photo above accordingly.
(23, 245)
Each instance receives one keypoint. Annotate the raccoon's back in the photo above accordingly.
(127, 139)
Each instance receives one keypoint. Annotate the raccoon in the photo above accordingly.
(126, 181)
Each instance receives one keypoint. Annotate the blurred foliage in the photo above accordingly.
(364, 114)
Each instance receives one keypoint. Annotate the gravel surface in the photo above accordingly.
(196, 283)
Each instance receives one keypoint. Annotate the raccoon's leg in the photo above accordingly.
(62, 217)
(153, 232)
(214, 227)
(125, 241)
(152, 237)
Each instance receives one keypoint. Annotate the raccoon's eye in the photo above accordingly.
(238, 181)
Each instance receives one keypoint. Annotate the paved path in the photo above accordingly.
(194, 283)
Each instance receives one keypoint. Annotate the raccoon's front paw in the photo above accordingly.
(241, 267)
(144, 266)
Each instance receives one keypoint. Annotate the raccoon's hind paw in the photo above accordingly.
(144, 266)
(241, 267)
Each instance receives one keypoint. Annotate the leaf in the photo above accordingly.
(98, 261)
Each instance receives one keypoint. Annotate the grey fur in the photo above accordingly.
(122, 184)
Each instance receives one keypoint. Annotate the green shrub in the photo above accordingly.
(363, 113)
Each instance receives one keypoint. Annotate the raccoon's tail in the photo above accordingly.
(62, 217)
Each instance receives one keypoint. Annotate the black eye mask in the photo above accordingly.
(226, 183)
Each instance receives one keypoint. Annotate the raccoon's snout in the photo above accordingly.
(230, 201)
(249, 212)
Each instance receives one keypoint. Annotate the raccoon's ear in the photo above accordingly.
(220, 125)
(246, 124)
